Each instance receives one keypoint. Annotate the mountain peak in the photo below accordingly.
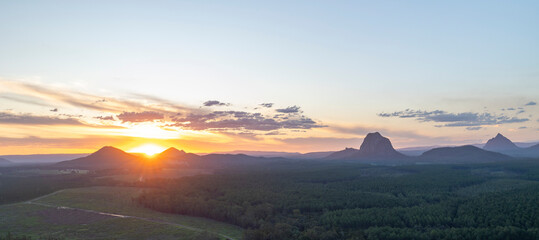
(500, 143)
(106, 157)
(171, 153)
(106, 150)
(376, 145)
(173, 150)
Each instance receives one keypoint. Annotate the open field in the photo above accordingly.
(101, 212)
(41, 221)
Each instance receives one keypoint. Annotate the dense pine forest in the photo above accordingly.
(354, 201)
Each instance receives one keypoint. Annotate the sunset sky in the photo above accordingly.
(212, 76)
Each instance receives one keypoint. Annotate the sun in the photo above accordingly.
(148, 149)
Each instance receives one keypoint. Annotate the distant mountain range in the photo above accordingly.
(114, 158)
(375, 149)
(294, 155)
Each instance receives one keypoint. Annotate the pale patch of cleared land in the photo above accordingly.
(142, 223)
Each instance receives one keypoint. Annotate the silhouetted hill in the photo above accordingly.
(290, 155)
(174, 156)
(315, 155)
(105, 158)
(500, 144)
(530, 152)
(374, 149)
(347, 153)
(533, 150)
(5, 162)
(503, 145)
(462, 154)
(376, 146)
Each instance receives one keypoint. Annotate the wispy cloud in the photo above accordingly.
(215, 103)
(36, 94)
(532, 103)
(105, 118)
(28, 119)
(292, 109)
(24, 99)
(464, 119)
(146, 116)
(267, 105)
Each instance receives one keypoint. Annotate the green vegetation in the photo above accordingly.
(40, 222)
(353, 201)
(100, 192)
(21, 188)
(278, 200)
(121, 200)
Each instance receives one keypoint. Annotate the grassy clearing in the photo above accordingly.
(119, 200)
(41, 222)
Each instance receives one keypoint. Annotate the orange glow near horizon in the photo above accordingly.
(149, 149)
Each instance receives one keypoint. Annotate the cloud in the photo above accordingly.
(473, 128)
(274, 133)
(145, 116)
(106, 118)
(293, 109)
(267, 105)
(215, 103)
(93, 142)
(465, 119)
(240, 120)
(54, 110)
(27, 119)
(523, 127)
(24, 99)
(36, 94)
(143, 108)
(532, 103)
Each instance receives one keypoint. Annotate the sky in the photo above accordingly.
(213, 76)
